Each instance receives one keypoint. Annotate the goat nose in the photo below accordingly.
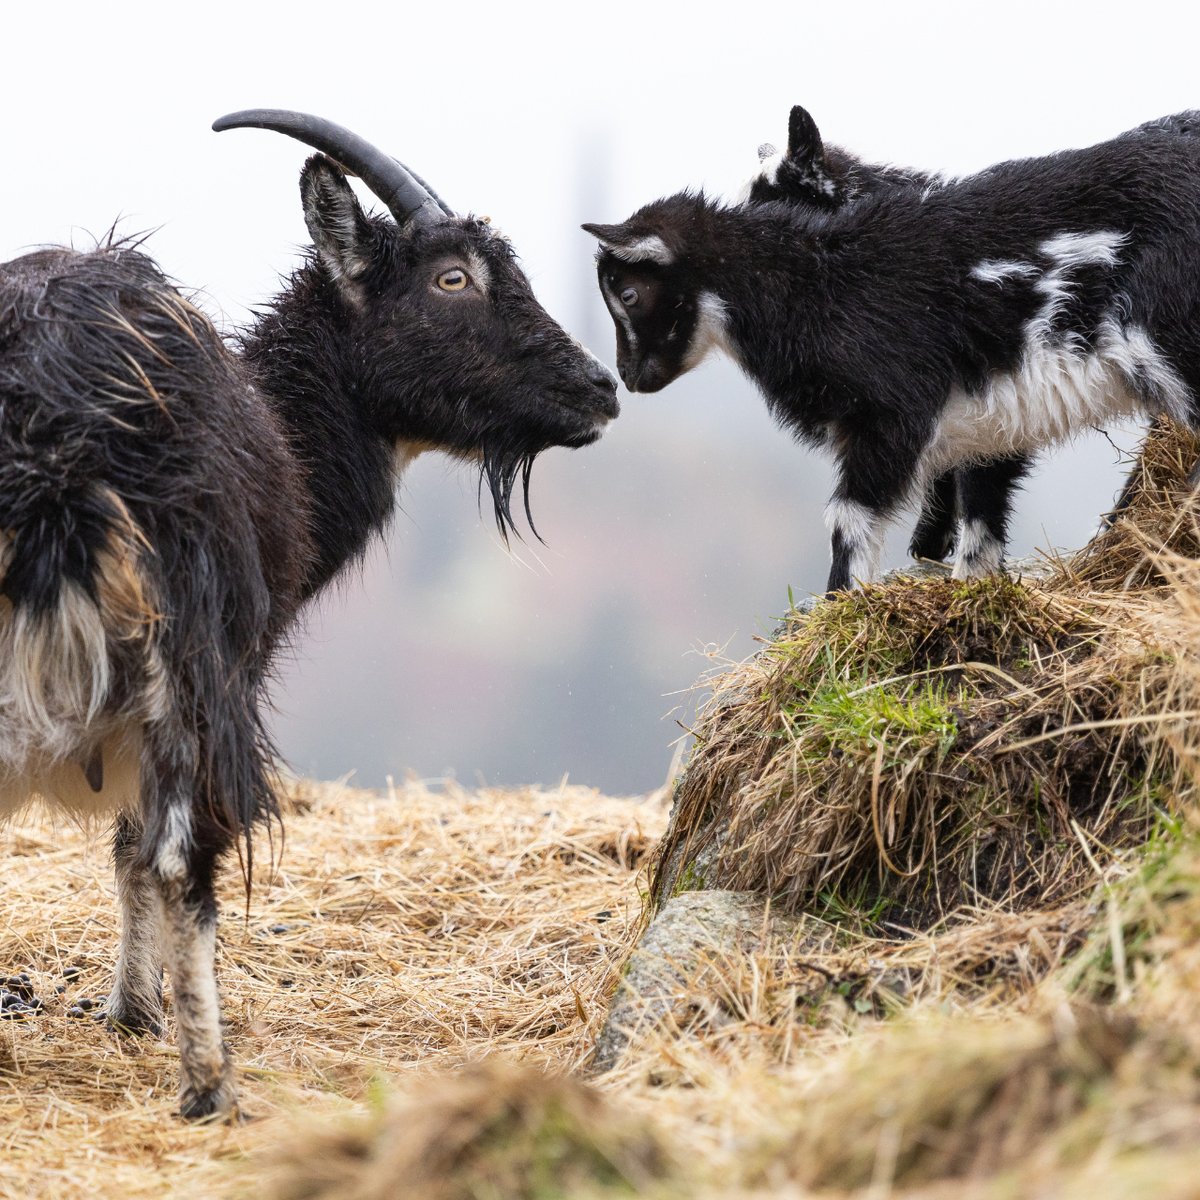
(598, 374)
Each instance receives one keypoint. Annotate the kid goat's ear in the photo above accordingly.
(806, 162)
(804, 141)
(631, 245)
(337, 224)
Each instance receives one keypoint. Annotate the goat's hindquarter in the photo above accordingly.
(153, 550)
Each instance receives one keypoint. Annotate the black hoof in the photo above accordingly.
(932, 546)
(131, 1023)
(215, 1104)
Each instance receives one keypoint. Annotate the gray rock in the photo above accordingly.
(665, 976)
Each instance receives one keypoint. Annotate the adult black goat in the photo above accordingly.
(919, 330)
(826, 178)
(167, 507)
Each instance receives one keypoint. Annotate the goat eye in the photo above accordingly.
(454, 280)
(629, 297)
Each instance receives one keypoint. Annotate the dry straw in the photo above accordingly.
(981, 799)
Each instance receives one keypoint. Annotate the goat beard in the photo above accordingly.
(502, 467)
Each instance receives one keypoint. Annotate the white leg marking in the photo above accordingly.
(979, 553)
(862, 531)
(189, 948)
(136, 995)
(171, 860)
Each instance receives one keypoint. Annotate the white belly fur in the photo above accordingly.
(1056, 392)
(63, 785)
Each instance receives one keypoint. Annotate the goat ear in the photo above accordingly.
(337, 224)
(804, 146)
(631, 245)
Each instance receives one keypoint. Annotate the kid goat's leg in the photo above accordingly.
(135, 1000)
(181, 854)
(985, 494)
(873, 480)
(933, 537)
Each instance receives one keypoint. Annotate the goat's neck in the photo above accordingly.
(350, 470)
(766, 272)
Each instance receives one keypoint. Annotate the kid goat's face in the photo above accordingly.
(665, 324)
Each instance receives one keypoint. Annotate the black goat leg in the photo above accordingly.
(934, 537)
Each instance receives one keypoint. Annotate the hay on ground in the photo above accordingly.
(494, 1129)
(417, 983)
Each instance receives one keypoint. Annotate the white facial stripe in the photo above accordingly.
(619, 314)
(650, 248)
(711, 332)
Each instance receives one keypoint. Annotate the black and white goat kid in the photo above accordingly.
(922, 329)
(827, 177)
(167, 507)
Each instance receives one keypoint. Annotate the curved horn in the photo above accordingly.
(407, 196)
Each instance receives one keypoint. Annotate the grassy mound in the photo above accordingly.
(928, 746)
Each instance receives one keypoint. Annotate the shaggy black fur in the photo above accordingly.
(915, 330)
(826, 178)
(168, 506)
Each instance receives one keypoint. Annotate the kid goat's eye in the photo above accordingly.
(454, 280)
(629, 297)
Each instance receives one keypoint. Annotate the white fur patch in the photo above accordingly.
(862, 533)
(650, 248)
(979, 553)
(711, 331)
(54, 676)
(1061, 386)
(1079, 249)
(176, 839)
(997, 271)
(768, 171)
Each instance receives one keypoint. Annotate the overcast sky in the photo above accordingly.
(543, 115)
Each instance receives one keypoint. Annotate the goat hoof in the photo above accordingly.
(211, 1104)
(132, 1023)
(937, 548)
